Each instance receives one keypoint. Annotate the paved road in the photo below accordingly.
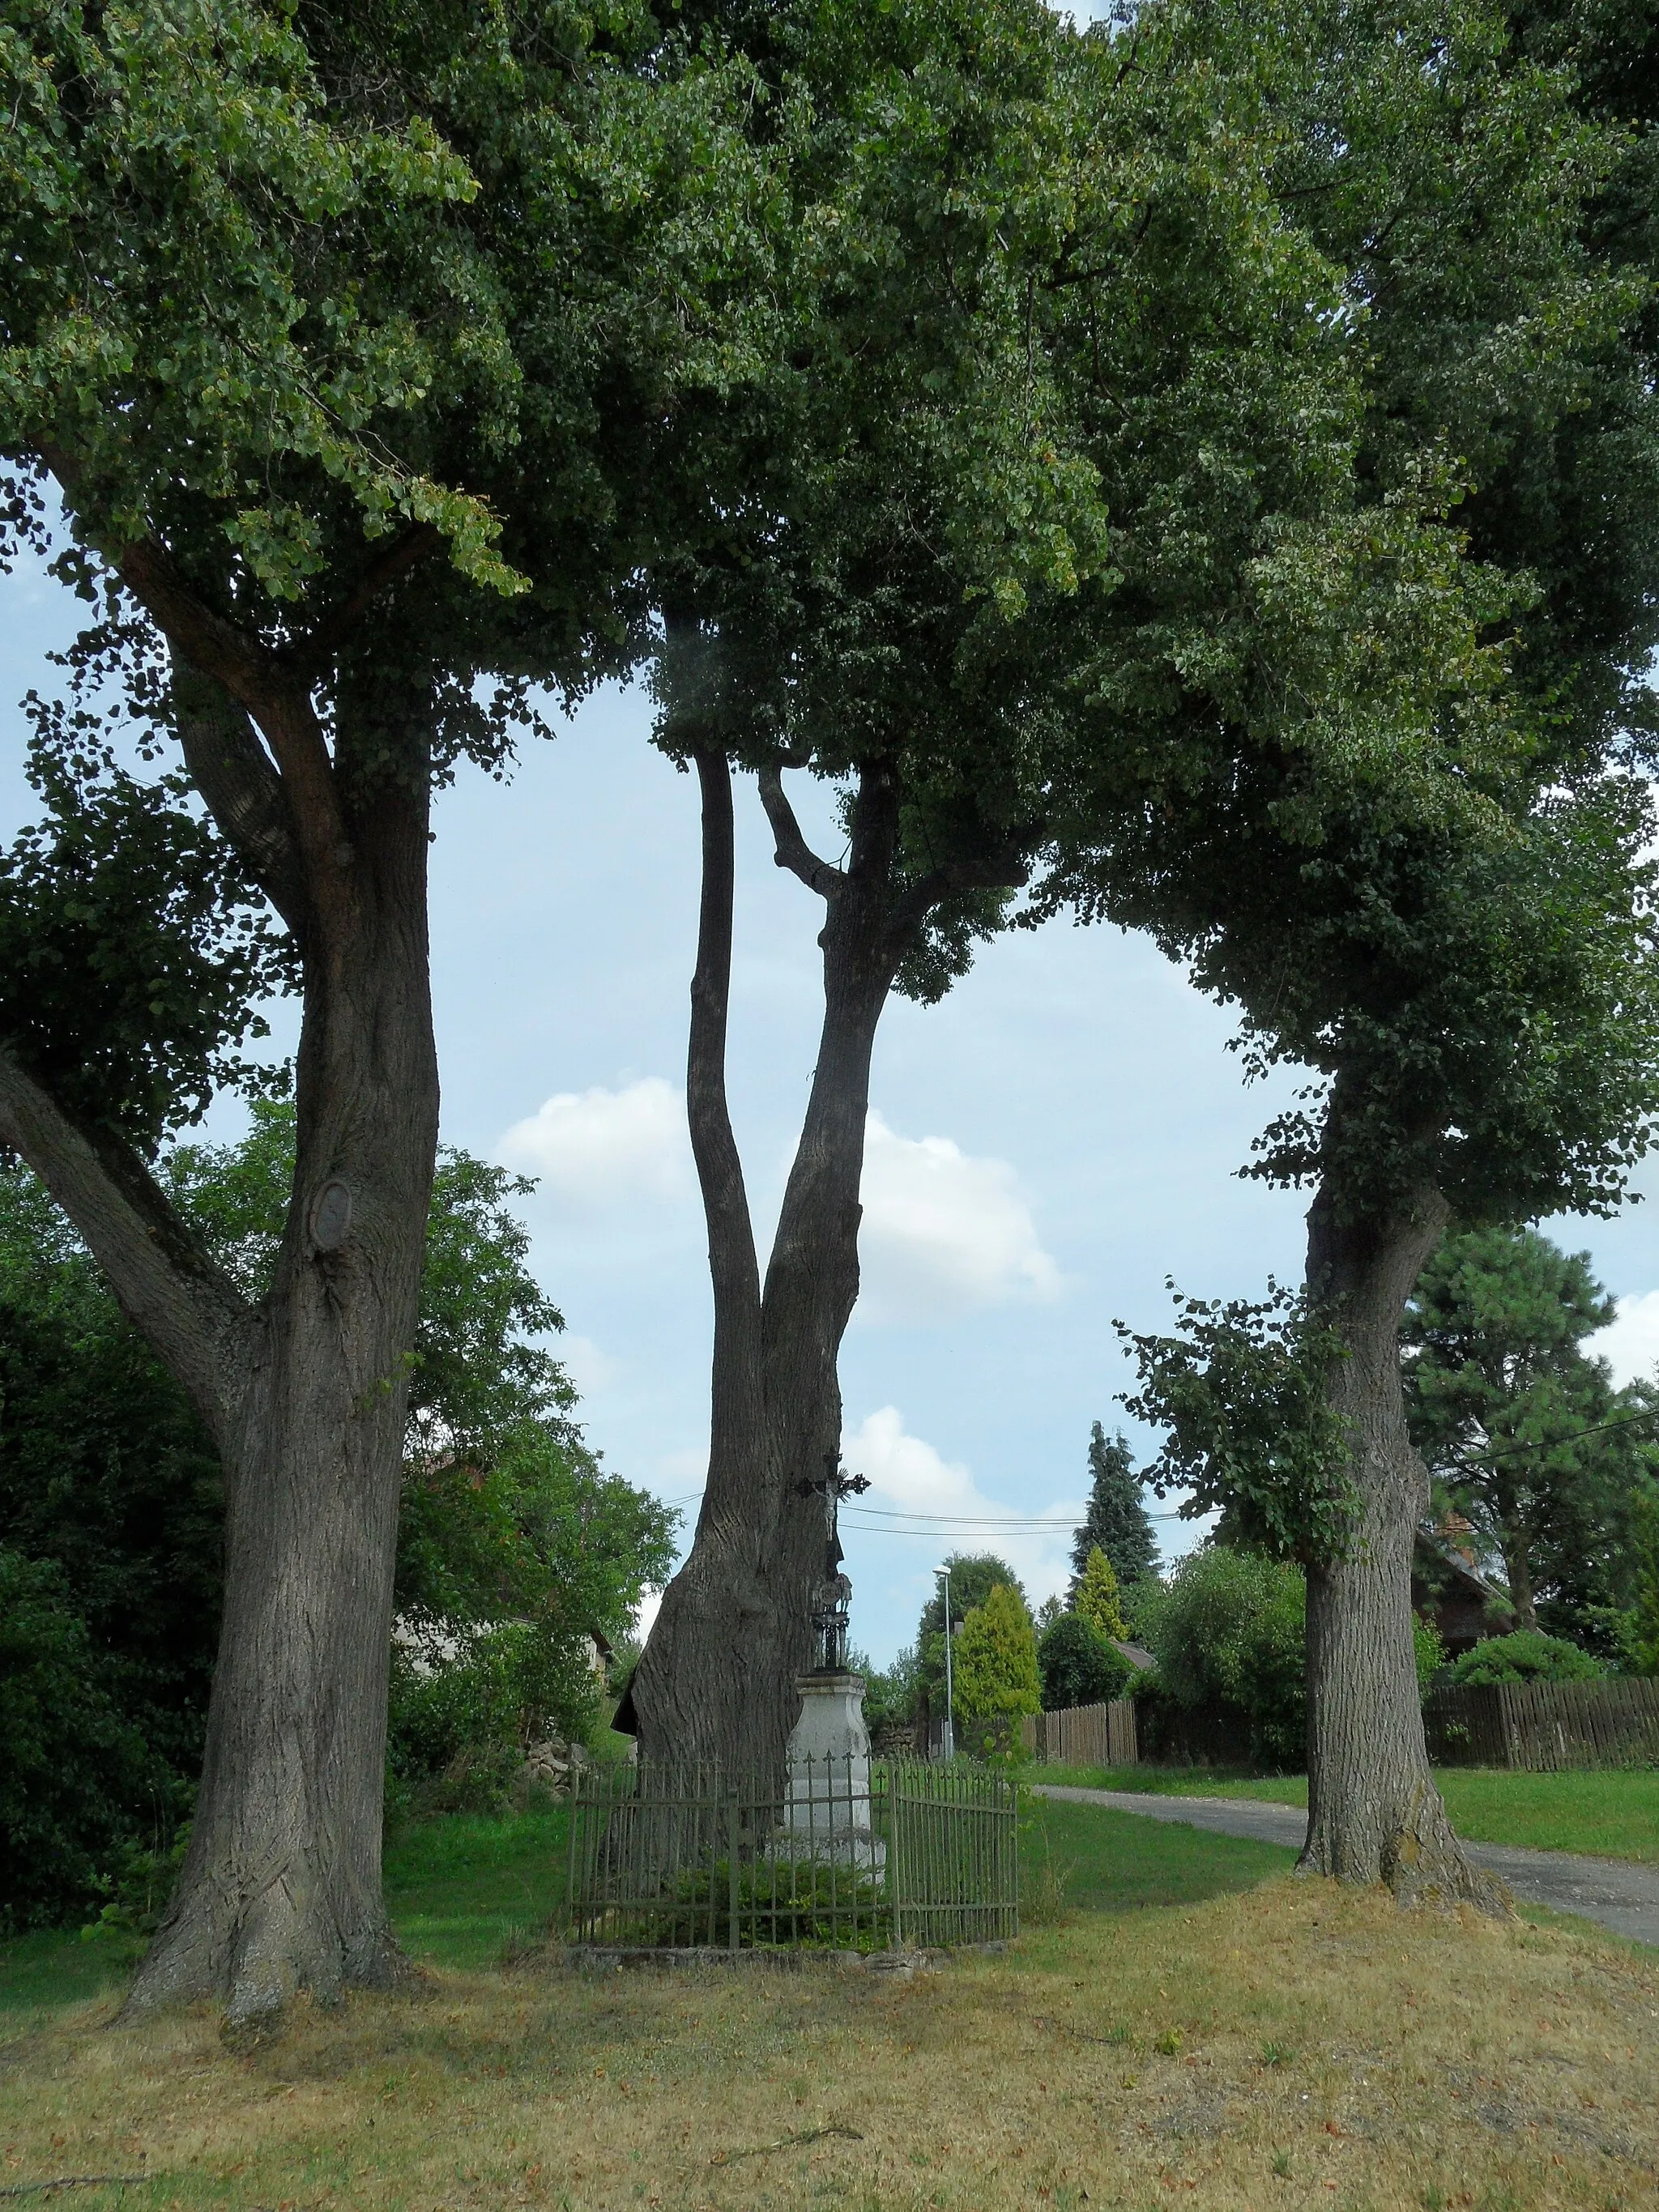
(1621, 1896)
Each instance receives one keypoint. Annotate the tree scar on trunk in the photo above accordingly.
(1374, 1814)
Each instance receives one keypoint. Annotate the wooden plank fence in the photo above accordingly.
(1084, 1735)
(1546, 1727)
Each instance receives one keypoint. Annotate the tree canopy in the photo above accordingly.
(1522, 1426)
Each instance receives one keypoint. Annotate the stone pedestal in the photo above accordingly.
(827, 1805)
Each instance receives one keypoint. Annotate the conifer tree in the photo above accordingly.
(1116, 1520)
(996, 1661)
(1097, 1599)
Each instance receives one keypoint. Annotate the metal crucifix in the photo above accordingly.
(832, 1599)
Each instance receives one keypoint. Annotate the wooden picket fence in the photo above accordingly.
(1084, 1735)
(1545, 1726)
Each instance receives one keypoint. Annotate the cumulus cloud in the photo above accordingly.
(1630, 1343)
(943, 1232)
(908, 1475)
(592, 1148)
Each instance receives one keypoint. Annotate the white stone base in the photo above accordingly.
(827, 1805)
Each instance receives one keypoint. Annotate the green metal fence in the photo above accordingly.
(839, 1855)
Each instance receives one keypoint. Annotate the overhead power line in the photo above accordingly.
(1549, 1443)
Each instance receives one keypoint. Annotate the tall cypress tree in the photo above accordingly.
(1116, 1520)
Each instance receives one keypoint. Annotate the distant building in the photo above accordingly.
(1450, 1593)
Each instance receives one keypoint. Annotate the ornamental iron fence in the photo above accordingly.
(838, 1854)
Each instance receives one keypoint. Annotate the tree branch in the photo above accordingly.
(167, 1287)
(714, 1145)
(277, 697)
(310, 656)
(243, 791)
(792, 850)
(1009, 870)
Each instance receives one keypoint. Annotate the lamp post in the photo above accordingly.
(948, 1743)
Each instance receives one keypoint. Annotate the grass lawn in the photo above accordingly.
(1613, 1813)
(1195, 2029)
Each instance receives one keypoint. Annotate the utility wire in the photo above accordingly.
(1551, 1443)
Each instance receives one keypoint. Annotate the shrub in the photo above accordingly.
(73, 1771)
(1228, 1632)
(1077, 1667)
(1524, 1656)
(1097, 1598)
(460, 1720)
(995, 1662)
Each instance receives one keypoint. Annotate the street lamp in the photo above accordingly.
(948, 1742)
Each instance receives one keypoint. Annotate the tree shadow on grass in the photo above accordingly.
(1094, 1860)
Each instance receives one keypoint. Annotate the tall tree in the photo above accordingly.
(1065, 415)
(1520, 1425)
(1116, 1520)
(347, 336)
(1465, 965)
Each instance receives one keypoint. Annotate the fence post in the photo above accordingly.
(575, 1786)
(731, 1833)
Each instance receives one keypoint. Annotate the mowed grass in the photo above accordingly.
(1610, 1813)
(1211, 2034)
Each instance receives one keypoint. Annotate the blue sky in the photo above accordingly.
(1052, 1140)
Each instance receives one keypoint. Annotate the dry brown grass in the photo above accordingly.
(1294, 2047)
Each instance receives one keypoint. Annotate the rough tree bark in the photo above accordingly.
(717, 1679)
(305, 1393)
(1374, 1814)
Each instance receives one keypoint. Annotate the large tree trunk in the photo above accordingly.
(281, 1887)
(717, 1680)
(1374, 1814)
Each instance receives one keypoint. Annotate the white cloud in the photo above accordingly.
(1630, 1343)
(907, 1475)
(943, 1232)
(589, 1367)
(592, 1148)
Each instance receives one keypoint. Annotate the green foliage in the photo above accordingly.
(973, 1575)
(461, 1717)
(1116, 1519)
(890, 1692)
(1227, 1633)
(1241, 1393)
(1097, 1599)
(1521, 1429)
(71, 1764)
(513, 1543)
(133, 961)
(1523, 1657)
(106, 1472)
(1644, 1626)
(996, 1661)
(1077, 1667)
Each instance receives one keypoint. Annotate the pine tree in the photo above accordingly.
(996, 1661)
(1097, 1598)
(1116, 1520)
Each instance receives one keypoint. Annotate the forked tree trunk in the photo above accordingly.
(717, 1679)
(305, 1394)
(281, 1889)
(1374, 1814)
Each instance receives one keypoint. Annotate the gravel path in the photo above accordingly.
(1622, 1896)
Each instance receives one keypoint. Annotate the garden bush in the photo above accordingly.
(1077, 1667)
(1523, 1657)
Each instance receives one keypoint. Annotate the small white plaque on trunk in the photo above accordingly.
(330, 1217)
